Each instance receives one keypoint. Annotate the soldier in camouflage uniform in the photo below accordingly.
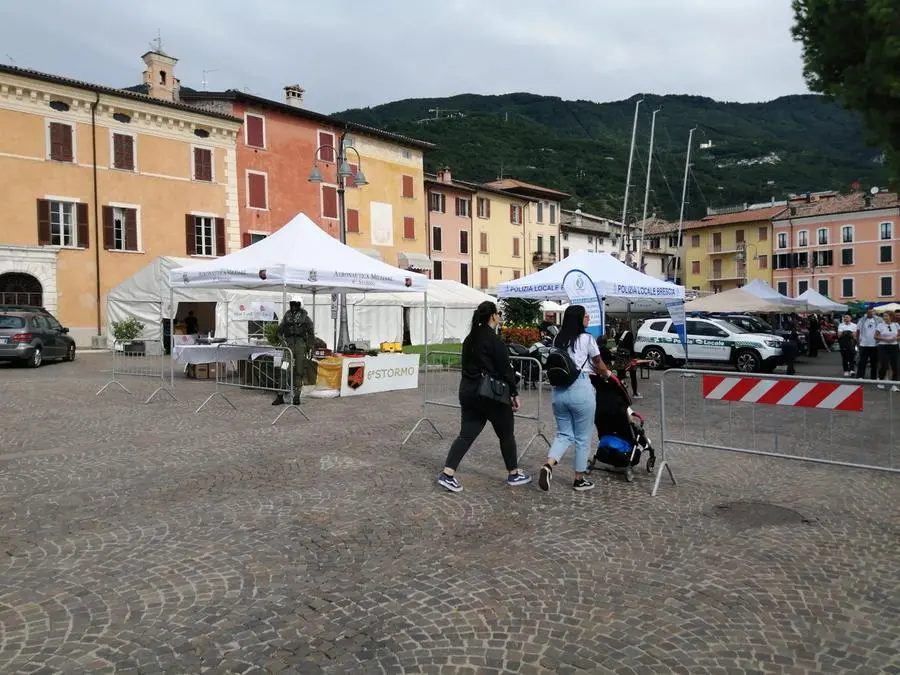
(298, 334)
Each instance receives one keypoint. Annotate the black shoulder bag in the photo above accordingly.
(494, 389)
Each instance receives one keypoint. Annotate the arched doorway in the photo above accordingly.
(17, 288)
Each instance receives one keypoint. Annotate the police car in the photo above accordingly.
(710, 340)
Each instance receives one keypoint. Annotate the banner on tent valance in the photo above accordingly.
(581, 291)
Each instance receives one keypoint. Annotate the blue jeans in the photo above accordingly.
(573, 408)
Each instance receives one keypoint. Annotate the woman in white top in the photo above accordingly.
(574, 406)
(887, 335)
(846, 335)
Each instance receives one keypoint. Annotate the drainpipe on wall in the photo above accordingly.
(98, 242)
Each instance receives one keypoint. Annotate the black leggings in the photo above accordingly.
(888, 357)
(621, 375)
(848, 356)
(476, 412)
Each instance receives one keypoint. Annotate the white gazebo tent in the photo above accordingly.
(819, 302)
(740, 300)
(299, 257)
(761, 289)
(619, 286)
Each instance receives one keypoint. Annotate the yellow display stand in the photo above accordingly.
(329, 373)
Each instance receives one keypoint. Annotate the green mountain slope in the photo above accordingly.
(760, 151)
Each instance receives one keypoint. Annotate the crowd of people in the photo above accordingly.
(871, 341)
(488, 390)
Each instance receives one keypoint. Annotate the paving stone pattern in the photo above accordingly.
(148, 539)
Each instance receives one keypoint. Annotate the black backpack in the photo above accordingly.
(560, 368)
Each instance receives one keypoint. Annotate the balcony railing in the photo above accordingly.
(542, 257)
(720, 275)
(723, 249)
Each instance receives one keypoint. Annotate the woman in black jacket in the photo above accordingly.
(484, 352)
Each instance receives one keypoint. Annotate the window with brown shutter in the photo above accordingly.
(109, 228)
(131, 230)
(329, 202)
(463, 242)
(350, 181)
(483, 242)
(464, 274)
(516, 252)
(120, 228)
(43, 209)
(409, 227)
(255, 130)
(203, 164)
(437, 243)
(246, 240)
(61, 142)
(517, 274)
(484, 207)
(123, 152)
(190, 235)
(84, 238)
(763, 233)
(220, 236)
(352, 220)
(256, 190)
(408, 187)
(326, 146)
(484, 277)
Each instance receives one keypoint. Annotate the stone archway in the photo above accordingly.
(18, 288)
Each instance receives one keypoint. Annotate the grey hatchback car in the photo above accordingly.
(33, 337)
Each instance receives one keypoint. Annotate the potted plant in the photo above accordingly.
(127, 332)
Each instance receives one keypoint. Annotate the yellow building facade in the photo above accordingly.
(499, 246)
(97, 182)
(728, 250)
(388, 216)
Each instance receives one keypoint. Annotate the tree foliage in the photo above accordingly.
(521, 312)
(851, 53)
(581, 147)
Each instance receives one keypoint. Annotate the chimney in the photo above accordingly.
(159, 78)
(293, 95)
(444, 175)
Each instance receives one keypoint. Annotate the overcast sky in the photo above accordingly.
(356, 53)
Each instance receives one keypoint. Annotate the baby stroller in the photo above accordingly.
(621, 431)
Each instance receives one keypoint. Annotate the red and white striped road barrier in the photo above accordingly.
(821, 395)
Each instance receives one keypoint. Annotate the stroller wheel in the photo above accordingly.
(629, 474)
(651, 462)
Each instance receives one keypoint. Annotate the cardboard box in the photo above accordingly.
(198, 371)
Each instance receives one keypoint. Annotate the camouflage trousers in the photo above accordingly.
(300, 362)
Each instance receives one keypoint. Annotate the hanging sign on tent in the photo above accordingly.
(334, 305)
(253, 311)
(676, 311)
(581, 291)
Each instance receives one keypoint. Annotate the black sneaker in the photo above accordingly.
(582, 485)
(544, 478)
(449, 482)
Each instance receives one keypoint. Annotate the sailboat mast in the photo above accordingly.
(628, 177)
(647, 189)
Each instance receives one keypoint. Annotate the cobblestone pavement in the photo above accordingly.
(149, 539)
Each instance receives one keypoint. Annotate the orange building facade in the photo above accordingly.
(843, 246)
(98, 182)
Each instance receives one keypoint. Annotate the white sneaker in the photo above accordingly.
(846, 373)
(895, 388)
(880, 386)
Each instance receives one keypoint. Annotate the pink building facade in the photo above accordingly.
(843, 246)
(449, 227)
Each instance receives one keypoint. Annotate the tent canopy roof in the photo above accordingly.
(612, 279)
(739, 300)
(300, 256)
(761, 289)
(816, 300)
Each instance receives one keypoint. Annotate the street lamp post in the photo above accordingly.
(343, 172)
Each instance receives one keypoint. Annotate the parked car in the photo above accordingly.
(33, 336)
(755, 324)
(709, 340)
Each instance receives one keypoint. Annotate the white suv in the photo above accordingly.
(714, 340)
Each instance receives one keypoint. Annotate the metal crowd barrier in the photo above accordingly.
(245, 366)
(144, 358)
(838, 421)
(440, 387)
